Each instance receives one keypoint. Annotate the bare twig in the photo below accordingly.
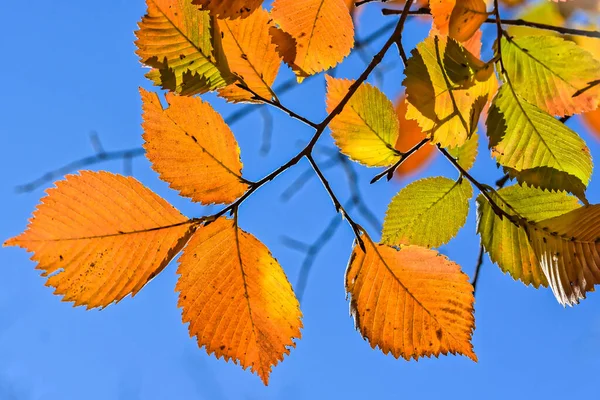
(513, 22)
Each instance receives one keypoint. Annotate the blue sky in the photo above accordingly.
(69, 69)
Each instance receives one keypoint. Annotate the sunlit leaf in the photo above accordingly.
(182, 45)
(507, 243)
(237, 299)
(411, 302)
(592, 120)
(438, 71)
(322, 30)
(192, 149)
(568, 249)
(99, 237)
(536, 148)
(408, 136)
(428, 212)
(545, 12)
(229, 8)
(367, 128)
(251, 55)
(467, 153)
(459, 19)
(548, 71)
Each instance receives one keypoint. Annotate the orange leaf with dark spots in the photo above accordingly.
(411, 302)
(237, 299)
(98, 237)
(192, 148)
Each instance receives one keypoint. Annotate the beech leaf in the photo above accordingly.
(236, 297)
(411, 302)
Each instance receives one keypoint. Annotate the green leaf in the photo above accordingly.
(367, 128)
(183, 46)
(506, 243)
(536, 148)
(428, 212)
(467, 153)
(568, 249)
(439, 74)
(548, 71)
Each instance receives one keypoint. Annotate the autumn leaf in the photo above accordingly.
(440, 74)
(466, 154)
(409, 135)
(536, 148)
(545, 12)
(549, 71)
(182, 45)
(251, 56)
(428, 212)
(411, 302)
(236, 298)
(367, 128)
(229, 8)
(192, 149)
(507, 243)
(322, 31)
(567, 248)
(98, 237)
(459, 19)
(592, 120)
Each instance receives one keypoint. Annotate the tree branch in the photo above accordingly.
(514, 22)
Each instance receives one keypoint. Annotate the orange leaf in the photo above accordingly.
(409, 135)
(412, 302)
(99, 237)
(192, 148)
(182, 45)
(323, 31)
(237, 298)
(229, 8)
(460, 19)
(251, 55)
(592, 120)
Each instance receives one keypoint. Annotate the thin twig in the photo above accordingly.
(389, 172)
(513, 22)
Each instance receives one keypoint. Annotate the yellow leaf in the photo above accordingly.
(237, 298)
(182, 45)
(545, 12)
(251, 55)
(549, 72)
(440, 73)
(323, 31)
(229, 8)
(192, 148)
(428, 212)
(98, 237)
(567, 247)
(412, 302)
(367, 128)
(409, 135)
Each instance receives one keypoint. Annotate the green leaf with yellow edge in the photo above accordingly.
(467, 153)
(367, 128)
(545, 12)
(182, 45)
(439, 75)
(506, 243)
(428, 212)
(568, 248)
(548, 71)
(536, 148)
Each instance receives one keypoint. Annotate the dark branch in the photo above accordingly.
(514, 22)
